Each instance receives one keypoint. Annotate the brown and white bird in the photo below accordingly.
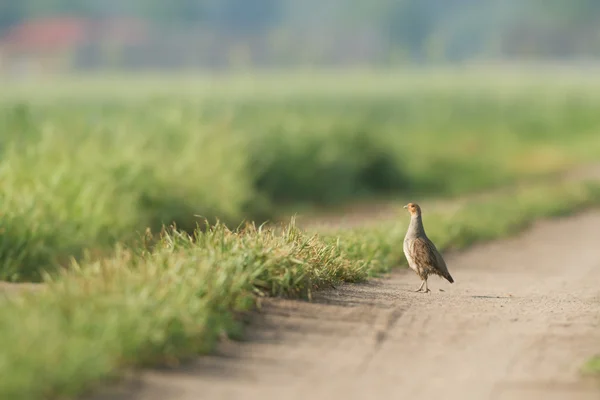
(421, 253)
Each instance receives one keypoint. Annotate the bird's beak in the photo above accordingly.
(406, 206)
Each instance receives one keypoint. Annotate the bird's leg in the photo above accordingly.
(421, 287)
(426, 288)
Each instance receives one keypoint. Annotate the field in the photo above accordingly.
(82, 168)
(92, 170)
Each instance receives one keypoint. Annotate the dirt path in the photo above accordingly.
(521, 319)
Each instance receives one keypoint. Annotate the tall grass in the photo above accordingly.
(173, 300)
(81, 168)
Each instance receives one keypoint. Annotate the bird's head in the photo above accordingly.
(413, 209)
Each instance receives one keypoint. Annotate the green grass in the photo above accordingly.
(474, 221)
(174, 298)
(88, 164)
(592, 366)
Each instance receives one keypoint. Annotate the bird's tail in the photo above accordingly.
(449, 278)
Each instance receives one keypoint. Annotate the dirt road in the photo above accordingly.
(521, 319)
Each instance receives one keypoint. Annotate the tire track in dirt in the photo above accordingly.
(521, 319)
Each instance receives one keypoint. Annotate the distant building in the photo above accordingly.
(59, 44)
(63, 44)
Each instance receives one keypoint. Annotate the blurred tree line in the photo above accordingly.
(418, 30)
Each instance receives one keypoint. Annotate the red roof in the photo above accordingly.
(56, 34)
(47, 34)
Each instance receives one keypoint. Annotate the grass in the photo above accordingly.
(472, 222)
(592, 366)
(91, 163)
(173, 299)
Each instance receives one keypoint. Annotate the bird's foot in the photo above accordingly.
(422, 291)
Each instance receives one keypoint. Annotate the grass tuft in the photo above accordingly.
(592, 367)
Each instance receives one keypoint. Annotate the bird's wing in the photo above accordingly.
(423, 253)
(426, 254)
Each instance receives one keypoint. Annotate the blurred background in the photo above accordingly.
(119, 115)
(89, 35)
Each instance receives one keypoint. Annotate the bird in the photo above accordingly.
(420, 252)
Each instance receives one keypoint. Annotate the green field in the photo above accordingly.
(86, 167)
(86, 164)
